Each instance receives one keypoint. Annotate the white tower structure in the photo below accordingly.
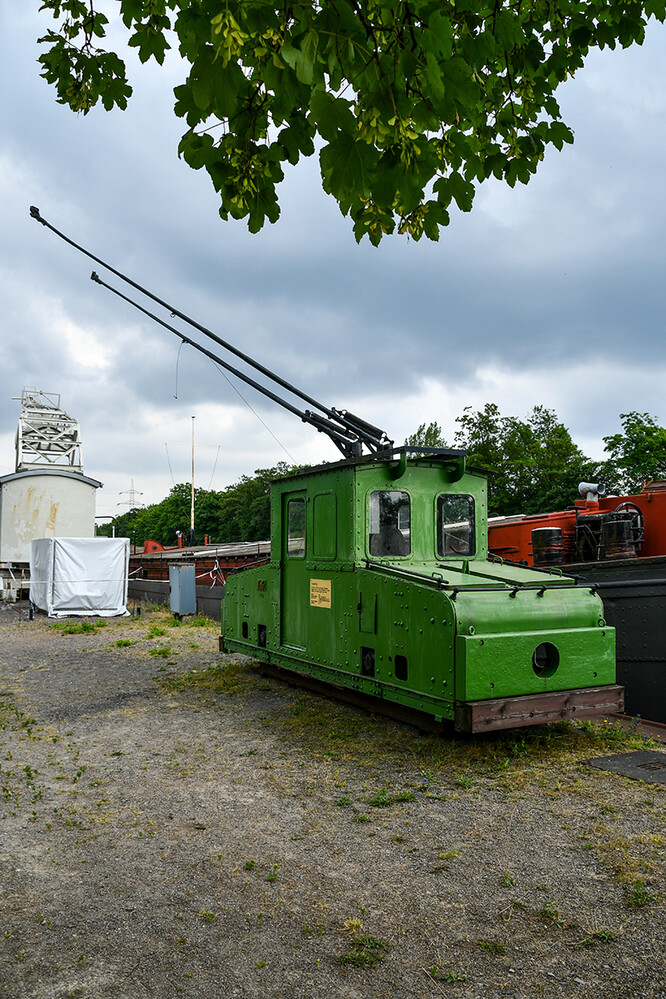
(48, 496)
(46, 434)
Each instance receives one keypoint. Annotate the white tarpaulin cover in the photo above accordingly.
(79, 576)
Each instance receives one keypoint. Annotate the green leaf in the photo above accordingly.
(302, 59)
(438, 35)
(263, 206)
(559, 133)
(331, 115)
(346, 167)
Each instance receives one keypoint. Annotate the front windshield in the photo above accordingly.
(389, 527)
(455, 525)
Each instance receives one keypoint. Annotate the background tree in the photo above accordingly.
(245, 507)
(241, 512)
(162, 521)
(533, 465)
(410, 103)
(427, 436)
(640, 452)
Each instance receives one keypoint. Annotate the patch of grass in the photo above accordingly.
(497, 947)
(366, 952)
(550, 913)
(164, 651)
(638, 896)
(207, 915)
(508, 881)
(343, 802)
(359, 817)
(382, 799)
(592, 939)
(629, 856)
(201, 621)
(124, 643)
(84, 627)
(227, 678)
(439, 975)
(273, 875)
(250, 865)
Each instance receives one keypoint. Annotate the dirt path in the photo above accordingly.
(224, 835)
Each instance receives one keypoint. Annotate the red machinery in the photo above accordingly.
(595, 529)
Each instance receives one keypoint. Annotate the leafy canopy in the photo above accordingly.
(427, 436)
(411, 103)
(533, 465)
(241, 512)
(639, 452)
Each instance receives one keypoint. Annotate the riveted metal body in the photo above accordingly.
(379, 582)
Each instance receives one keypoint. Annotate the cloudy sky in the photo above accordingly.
(549, 294)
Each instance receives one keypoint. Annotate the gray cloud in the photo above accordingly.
(555, 287)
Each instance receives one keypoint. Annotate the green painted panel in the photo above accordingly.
(324, 526)
(505, 665)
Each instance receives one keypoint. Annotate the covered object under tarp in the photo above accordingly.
(79, 576)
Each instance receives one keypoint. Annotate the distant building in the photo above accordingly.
(48, 495)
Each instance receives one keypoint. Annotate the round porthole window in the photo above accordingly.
(545, 659)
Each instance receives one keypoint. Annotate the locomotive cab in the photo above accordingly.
(379, 582)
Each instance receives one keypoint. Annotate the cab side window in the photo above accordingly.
(389, 523)
(296, 528)
(455, 525)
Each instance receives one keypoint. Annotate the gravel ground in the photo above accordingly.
(222, 834)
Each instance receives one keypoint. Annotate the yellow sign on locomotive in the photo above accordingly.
(320, 593)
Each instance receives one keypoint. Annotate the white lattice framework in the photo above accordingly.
(46, 434)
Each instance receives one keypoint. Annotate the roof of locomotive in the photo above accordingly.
(425, 455)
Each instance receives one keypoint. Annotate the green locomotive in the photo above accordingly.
(379, 580)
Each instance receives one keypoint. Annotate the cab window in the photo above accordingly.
(455, 525)
(389, 523)
(296, 528)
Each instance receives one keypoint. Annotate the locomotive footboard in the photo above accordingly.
(535, 709)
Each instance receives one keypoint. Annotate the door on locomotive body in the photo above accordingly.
(293, 575)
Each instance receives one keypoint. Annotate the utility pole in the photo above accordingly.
(192, 493)
(133, 493)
